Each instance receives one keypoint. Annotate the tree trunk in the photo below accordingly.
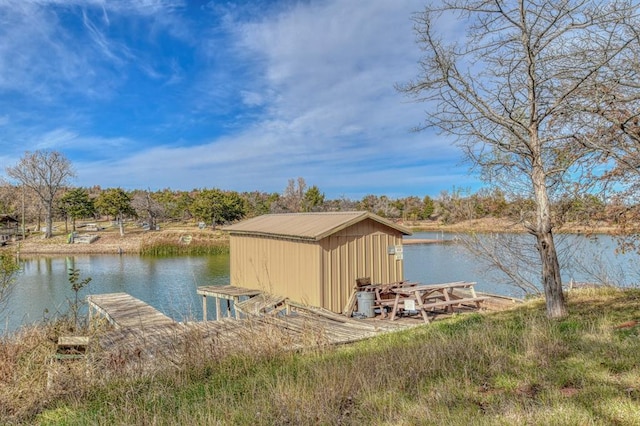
(49, 221)
(121, 225)
(551, 279)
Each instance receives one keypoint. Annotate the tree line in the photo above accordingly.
(214, 207)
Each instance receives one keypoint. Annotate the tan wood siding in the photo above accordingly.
(358, 251)
(277, 266)
(319, 273)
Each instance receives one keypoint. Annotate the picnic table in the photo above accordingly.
(425, 297)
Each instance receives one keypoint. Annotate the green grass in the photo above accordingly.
(172, 249)
(172, 245)
(513, 367)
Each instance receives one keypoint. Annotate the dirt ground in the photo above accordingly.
(107, 242)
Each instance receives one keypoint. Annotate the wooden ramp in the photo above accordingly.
(125, 311)
(226, 293)
(260, 304)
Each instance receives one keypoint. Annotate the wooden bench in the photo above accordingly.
(423, 298)
(71, 347)
(465, 300)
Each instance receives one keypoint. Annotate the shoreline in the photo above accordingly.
(110, 242)
(135, 239)
(35, 248)
(492, 225)
(416, 241)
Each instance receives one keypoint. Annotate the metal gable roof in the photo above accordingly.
(306, 226)
(5, 218)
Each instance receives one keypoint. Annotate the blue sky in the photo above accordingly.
(233, 95)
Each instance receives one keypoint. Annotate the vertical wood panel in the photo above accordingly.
(318, 273)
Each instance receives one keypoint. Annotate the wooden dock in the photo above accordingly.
(125, 311)
(142, 332)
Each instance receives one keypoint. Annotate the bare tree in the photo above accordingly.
(46, 173)
(508, 259)
(502, 92)
(147, 207)
(609, 123)
(292, 198)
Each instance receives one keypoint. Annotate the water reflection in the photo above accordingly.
(169, 284)
(582, 259)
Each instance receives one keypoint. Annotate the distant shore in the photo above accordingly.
(110, 242)
(415, 241)
(495, 225)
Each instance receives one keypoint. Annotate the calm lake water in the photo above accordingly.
(169, 283)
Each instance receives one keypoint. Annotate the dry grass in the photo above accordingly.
(176, 242)
(30, 378)
(514, 367)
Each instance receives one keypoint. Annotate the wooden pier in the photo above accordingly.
(125, 311)
(140, 331)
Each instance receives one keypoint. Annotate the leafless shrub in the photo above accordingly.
(513, 260)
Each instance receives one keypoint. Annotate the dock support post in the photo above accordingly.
(218, 309)
(204, 308)
(236, 299)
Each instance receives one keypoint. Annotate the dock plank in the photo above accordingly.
(226, 291)
(142, 332)
(125, 311)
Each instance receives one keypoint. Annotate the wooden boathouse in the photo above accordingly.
(8, 228)
(315, 258)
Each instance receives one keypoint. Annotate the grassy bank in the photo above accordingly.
(176, 240)
(173, 243)
(513, 367)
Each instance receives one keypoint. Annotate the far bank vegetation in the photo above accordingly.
(457, 209)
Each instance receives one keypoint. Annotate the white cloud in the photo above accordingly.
(316, 78)
(333, 65)
(324, 73)
(41, 56)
